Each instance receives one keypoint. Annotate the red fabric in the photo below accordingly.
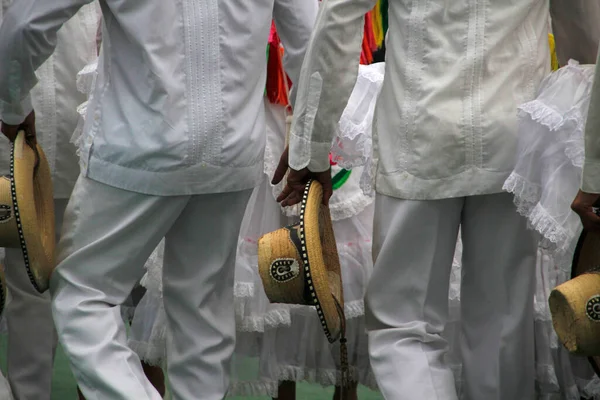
(369, 34)
(275, 87)
(366, 56)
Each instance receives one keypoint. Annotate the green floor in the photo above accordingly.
(63, 384)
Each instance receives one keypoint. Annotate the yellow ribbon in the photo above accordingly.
(553, 56)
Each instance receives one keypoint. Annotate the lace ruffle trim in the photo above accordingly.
(526, 199)
(282, 316)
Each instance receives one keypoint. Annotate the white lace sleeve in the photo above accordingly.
(353, 143)
(550, 156)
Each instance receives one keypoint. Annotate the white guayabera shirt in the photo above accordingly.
(446, 120)
(177, 107)
(55, 98)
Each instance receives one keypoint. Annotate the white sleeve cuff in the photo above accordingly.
(590, 180)
(306, 154)
(16, 114)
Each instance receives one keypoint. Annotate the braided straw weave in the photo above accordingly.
(300, 265)
(575, 304)
(27, 211)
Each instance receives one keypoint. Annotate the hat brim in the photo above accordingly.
(580, 267)
(33, 203)
(319, 254)
(2, 290)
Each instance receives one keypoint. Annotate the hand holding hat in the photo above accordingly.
(296, 182)
(583, 205)
(28, 126)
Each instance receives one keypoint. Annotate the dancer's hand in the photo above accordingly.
(583, 205)
(296, 182)
(10, 131)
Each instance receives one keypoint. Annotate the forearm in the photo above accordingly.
(27, 39)
(327, 78)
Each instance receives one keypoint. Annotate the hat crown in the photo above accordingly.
(575, 304)
(282, 266)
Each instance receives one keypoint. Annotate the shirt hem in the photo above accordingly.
(195, 180)
(472, 182)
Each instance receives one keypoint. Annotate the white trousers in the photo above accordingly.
(31, 334)
(5, 392)
(108, 234)
(407, 298)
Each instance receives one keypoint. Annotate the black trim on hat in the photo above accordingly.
(2, 298)
(307, 275)
(13, 190)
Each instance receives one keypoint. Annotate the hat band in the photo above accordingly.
(5, 213)
(13, 190)
(592, 308)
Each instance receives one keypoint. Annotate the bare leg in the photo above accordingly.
(287, 391)
(349, 393)
(156, 377)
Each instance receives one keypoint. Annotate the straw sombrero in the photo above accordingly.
(27, 210)
(575, 304)
(299, 264)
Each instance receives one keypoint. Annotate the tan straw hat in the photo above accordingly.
(27, 211)
(575, 304)
(299, 264)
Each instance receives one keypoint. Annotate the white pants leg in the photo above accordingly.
(498, 286)
(31, 335)
(5, 391)
(108, 235)
(198, 279)
(407, 297)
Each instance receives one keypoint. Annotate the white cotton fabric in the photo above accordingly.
(177, 106)
(55, 99)
(265, 330)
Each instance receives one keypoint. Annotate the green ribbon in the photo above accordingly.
(340, 178)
